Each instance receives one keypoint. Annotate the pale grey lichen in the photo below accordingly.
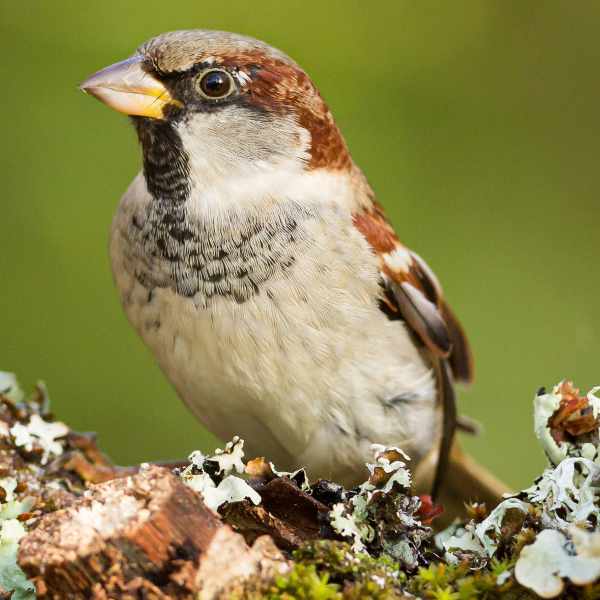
(586, 543)
(229, 489)
(12, 578)
(299, 476)
(352, 524)
(211, 476)
(543, 565)
(380, 514)
(10, 388)
(390, 460)
(351, 519)
(9, 485)
(40, 433)
(478, 539)
(561, 506)
(568, 493)
(231, 458)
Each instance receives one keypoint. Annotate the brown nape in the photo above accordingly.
(280, 86)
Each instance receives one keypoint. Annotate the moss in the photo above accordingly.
(441, 581)
(359, 575)
(329, 570)
(304, 582)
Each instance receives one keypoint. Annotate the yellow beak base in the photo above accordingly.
(128, 89)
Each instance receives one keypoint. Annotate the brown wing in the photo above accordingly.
(411, 292)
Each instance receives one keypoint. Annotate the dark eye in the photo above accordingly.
(215, 84)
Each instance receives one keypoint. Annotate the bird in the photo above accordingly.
(252, 257)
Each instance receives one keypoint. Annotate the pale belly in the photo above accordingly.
(308, 371)
(298, 394)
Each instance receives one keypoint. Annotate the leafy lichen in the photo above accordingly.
(370, 542)
(541, 542)
(211, 476)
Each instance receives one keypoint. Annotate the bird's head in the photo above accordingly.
(217, 102)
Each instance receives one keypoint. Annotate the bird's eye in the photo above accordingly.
(215, 84)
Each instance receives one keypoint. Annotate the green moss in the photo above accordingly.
(359, 575)
(329, 570)
(441, 581)
(304, 582)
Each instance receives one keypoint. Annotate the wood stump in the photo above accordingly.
(142, 536)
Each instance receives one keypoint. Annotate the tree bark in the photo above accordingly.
(142, 536)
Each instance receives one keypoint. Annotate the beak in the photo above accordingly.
(128, 89)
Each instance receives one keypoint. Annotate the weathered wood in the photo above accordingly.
(126, 538)
(143, 536)
(229, 563)
(286, 513)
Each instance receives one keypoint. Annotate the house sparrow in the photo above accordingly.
(251, 256)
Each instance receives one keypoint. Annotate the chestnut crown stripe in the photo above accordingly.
(279, 86)
(275, 84)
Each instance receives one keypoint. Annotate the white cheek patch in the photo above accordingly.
(236, 157)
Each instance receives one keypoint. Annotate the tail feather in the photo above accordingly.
(465, 480)
(448, 402)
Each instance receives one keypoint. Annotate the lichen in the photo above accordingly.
(382, 514)
(10, 388)
(541, 542)
(12, 579)
(543, 534)
(211, 476)
(566, 423)
(545, 565)
(374, 541)
(38, 432)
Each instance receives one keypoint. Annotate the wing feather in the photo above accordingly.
(413, 293)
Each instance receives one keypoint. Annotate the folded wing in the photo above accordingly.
(412, 293)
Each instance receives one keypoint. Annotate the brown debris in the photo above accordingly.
(254, 521)
(574, 417)
(122, 530)
(288, 514)
(146, 536)
(260, 468)
(228, 563)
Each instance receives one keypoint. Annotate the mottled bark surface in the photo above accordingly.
(125, 535)
(77, 526)
(286, 513)
(142, 536)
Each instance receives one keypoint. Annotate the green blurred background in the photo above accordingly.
(476, 123)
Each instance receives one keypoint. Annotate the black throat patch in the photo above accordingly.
(200, 257)
(166, 163)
